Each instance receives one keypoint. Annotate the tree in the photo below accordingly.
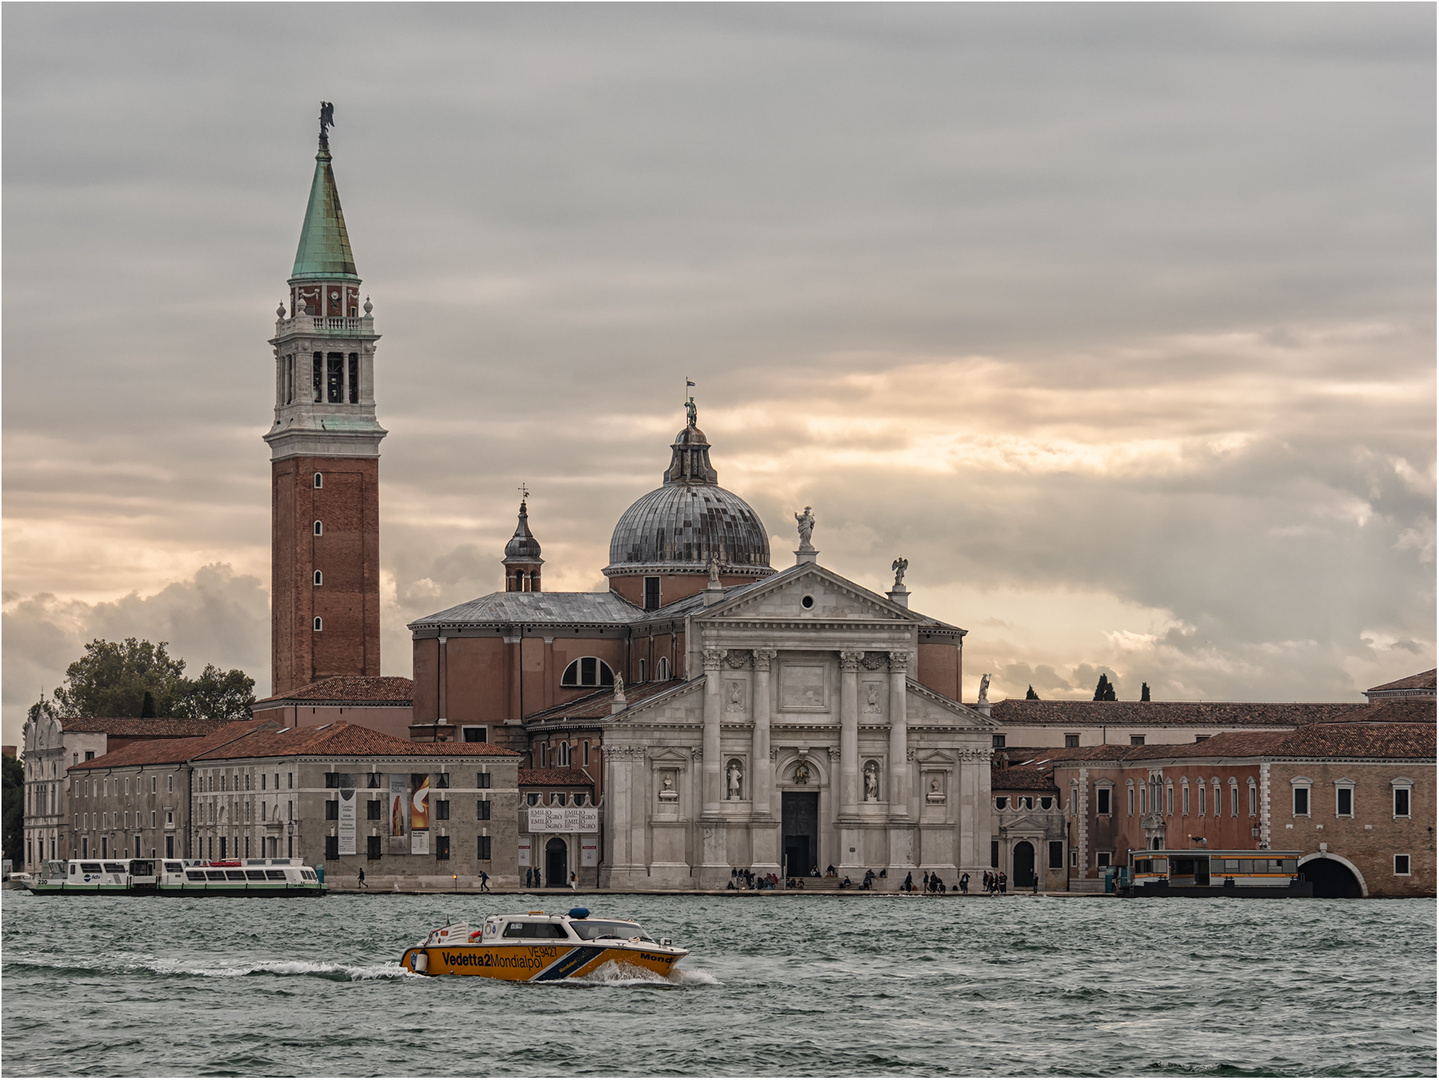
(137, 678)
(1143, 691)
(13, 826)
(1031, 696)
(1104, 689)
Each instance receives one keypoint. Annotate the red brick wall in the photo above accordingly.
(347, 553)
(939, 668)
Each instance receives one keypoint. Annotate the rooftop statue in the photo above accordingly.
(691, 413)
(984, 688)
(899, 566)
(806, 527)
(327, 121)
(714, 572)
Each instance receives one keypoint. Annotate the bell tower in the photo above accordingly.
(325, 456)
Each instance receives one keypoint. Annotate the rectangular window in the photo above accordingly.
(373, 808)
(1136, 740)
(1072, 739)
(154, 784)
(1131, 802)
(1101, 801)
(482, 780)
(1101, 859)
(442, 780)
(334, 378)
(442, 848)
(1056, 854)
(482, 810)
(332, 809)
(332, 847)
(652, 593)
(1074, 857)
(372, 846)
(994, 853)
(169, 847)
(289, 780)
(1301, 801)
(1401, 802)
(1401, 865)
(1233, 801)
(1344, 802)
(1201, 800)
(1253, 800)
(354, 378)
(482, 848)
(442, 809)
(997, 742)
(476, 734)
(587, 745)
(1169, 802)
(318, 378)
(89, 755)
(152, 819)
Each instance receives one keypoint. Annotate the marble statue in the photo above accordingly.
(619, 685)
(871, 783)
(984, 688)
(714, 572)
(806, 526)
(899, 566)
(736, 776)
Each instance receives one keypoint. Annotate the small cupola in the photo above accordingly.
(522, 555)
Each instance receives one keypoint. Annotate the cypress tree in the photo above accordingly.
(1031, 696)
(1143, 691)
(147, 707)
(1104, 689)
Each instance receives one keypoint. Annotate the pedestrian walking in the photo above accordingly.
(484, 882)
(362, 878)
(574, 881)
(964, 884)
(1003, 883)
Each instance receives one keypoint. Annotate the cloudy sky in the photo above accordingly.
(1117, 322)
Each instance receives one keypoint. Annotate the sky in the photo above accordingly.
(1117, 322)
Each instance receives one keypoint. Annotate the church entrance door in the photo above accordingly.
(557, 864)
(799, 814)
(1023, 865)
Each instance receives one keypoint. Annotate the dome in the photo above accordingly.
(682, 525)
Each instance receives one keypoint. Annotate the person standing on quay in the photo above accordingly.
(964, 884)
(1003, 883)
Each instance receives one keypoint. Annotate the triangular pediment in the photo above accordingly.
(781, 598)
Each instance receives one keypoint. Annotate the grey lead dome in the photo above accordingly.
(688, 521)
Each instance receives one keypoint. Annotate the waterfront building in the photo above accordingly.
(325, 457)
(53, 744)
(411, 814)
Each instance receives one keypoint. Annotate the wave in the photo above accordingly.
(616, 973)
(218, 969)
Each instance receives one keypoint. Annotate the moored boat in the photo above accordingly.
(176, 877)
(1205, 872)
(537, 947)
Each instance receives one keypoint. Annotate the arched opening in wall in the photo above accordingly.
(1023, 865)
(588, 671)
(662, 669)
(1332, 879)
(557, 864)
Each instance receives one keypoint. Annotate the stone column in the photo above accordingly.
(849, 733)
(761, 771)
(898, 737)
(713, 774)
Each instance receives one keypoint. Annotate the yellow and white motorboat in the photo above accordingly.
(537, 947)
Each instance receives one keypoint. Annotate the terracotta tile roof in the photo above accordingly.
(1020, 778)
(554, 778)
(350, 690)
(1360, 741)
(151, 727)
(343, 739)
(1138, 714)
(596, 706)
(1422, 681)
(171, 751)
(1395, 710)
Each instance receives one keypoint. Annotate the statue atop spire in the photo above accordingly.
(327, 121)
(691, 413)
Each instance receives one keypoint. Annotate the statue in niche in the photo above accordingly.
(736, 779)
(801, 772)
(871, 782)
(899, 566)
(667, 789)
(736, 697)
(984, 688)
(871, 697)
(806, 527)
(934, 794)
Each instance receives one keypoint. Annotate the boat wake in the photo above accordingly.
(193, 968)
(616, 974)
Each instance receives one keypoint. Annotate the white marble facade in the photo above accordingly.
(802, 695)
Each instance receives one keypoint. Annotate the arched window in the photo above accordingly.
(588, 671)
(564, 755)
(642, 670)
(662, 669)
(319, 577)
(319, 480)
(319, 624)
(319, 529)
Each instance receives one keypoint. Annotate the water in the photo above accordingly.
(775, 985)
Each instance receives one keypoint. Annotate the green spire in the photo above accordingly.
(324, 250)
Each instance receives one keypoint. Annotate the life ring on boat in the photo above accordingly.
(419, 961)
(475, 934)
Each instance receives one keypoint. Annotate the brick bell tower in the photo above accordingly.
(325, 457)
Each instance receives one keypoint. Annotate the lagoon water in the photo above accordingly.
(775, 985)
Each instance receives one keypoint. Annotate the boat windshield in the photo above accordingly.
(591, 929)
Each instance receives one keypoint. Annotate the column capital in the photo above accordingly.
(849, 660)
(763, 657)
(737, 658)
(898, 661)
(713, 658)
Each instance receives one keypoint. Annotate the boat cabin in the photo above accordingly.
(1192, 871)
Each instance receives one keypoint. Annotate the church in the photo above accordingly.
(705, 712)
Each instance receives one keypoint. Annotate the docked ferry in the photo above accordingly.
(177, 877)
(1203, 872)
(536, 947)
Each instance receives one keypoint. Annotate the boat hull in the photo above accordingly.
(536, 963)
(227, 889)
(1163, 888)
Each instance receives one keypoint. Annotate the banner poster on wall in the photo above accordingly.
(399, 813)
(420, 842)
(419, 801)
(347, 820)
(524, 846)
(589, 850)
